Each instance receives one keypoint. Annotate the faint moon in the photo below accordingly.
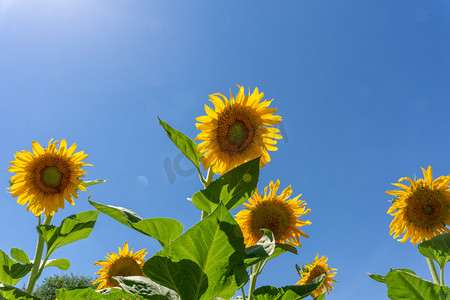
(142, 181)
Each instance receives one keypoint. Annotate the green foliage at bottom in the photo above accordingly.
(47, 291)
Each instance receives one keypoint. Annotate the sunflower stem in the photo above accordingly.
(243, 292)
(442, 276)
(255, 271)
(37, 259)
(209, 179)
(433, 271)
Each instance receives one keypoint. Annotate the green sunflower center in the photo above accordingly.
(237, 132)
(51, 176)
(426, 208)
(271, 215)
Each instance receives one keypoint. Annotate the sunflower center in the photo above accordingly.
(125, 266)
(51, 176)
(315, 272)
(235, 130)
(271, 215)
(426, 208)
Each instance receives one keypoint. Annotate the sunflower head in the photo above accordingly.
(273, 212)
(123, 264)
(237, 130)
(45, 177)
(421, 210)
(315, 269)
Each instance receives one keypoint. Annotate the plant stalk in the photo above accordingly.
(255, 271)
(433, 271)
(442, 276)
(37, 259)
(209, 179)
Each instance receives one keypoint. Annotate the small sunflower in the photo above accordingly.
(236, 131)
(123, 264)
(276, 213)
(45, 177)
(422, 209)
(315, 269)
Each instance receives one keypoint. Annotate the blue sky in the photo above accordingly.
(362, 87)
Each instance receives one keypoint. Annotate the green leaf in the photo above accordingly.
(145, 287)
(60, 263)
(376, 277)
(405, 285)
(437, 248)
(13, 293)
(263, 249)
(205, 262)
(93, 182)
(320, 297)
(10, 271)
(164, 230)
(233, 188)
(72, 229)
(20, 255)
(290, 292)
(88, 293)
(185, 144)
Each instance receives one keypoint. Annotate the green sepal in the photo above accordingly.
(185, 144)
(263, 249)
(291, 292)
(10, 271)
(72, 229)
(12, 293)
(232, 189)
(205, 262)
(437, 248)
(164, 230)
(60, 263)
(405, 285)
(145, 287)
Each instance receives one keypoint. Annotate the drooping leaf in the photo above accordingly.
(263, 249)
(291, 292)
(60, 263)
(20, 255)
(376, 277)
(164, 230)
(232, 189)
(145, 287)
(93, 182)
(72, 229)
(12, 293)
(405, 285)
(205, 262)
(184, 143)
(88, 293)
(10, 271)
(437, 248)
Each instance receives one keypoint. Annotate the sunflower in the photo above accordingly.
(123, 264)
(236, 131)
(45, 177)
(315, 269)
(421, 210)
(276, 213)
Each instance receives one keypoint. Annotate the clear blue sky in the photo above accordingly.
(362, 86)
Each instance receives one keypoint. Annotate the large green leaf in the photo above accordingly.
(437, 248)
(291, 292)
(232, 189)
(72, 229)
(10, 271)
(382, 279)
(206, 261)
(20, 255)
(88, 293)
(60, 263)
(185, 144)
(404, 285)
(145, 287)
(263, 249)
(12, 293)
(164, 230)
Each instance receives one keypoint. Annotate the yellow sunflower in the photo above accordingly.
(421, 209)
(45, 177)
(236, 131)
(123, 264)
(276, 213)
(315, 269)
